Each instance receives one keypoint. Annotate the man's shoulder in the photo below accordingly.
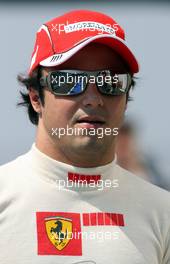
(13, 163)
(13, 168)
(143, 190)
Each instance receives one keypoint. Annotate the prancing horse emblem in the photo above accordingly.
(59, 231)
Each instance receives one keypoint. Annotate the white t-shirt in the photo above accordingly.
(114, 217)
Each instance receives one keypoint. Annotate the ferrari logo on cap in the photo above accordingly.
(59, 231)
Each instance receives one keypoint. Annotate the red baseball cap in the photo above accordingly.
(60, 38)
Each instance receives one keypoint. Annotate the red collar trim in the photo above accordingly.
(76, 177)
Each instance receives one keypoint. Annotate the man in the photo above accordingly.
(66, 200)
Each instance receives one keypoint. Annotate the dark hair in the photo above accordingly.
(33, 82)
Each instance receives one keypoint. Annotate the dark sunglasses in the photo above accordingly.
(75, 82)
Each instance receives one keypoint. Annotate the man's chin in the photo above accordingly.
(88, 143)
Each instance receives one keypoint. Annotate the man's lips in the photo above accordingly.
(90, 122)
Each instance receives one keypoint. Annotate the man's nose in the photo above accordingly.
(92, 97)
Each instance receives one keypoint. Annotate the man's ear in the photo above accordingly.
(35, 100)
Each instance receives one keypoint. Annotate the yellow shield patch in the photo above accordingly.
(59, 231)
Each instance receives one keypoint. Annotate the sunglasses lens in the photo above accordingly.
(114, 84)
(65, 83)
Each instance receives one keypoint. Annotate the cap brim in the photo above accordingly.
(112, 41)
